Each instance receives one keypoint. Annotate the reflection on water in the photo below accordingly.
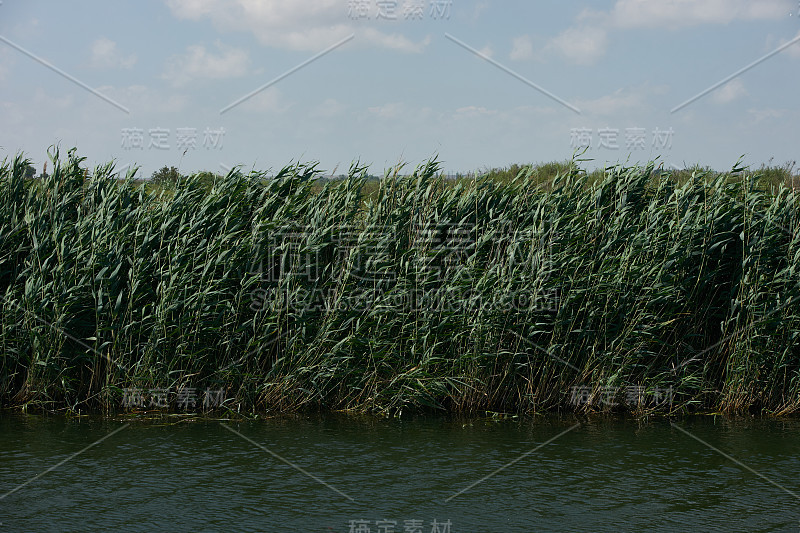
(424, 475)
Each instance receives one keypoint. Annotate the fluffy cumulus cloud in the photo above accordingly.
(759, 115)
(391, 110)
(683, 13)
(587, 40)
(309, 25)
(621, 102)
(140, 99)
(395, 41)
(731, 91)
(581, 45)
(522, 48)
(269, 100)
(473, 112)
(328, 109)
(487, 51)
(199, 63)
(105, 54)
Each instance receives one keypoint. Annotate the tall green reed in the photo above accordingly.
(479, 294)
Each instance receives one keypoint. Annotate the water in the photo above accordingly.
(603, 475)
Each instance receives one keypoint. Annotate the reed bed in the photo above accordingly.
(578, 292)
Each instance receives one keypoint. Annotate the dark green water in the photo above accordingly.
(604, 475)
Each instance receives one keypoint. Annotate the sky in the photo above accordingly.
(211, 84)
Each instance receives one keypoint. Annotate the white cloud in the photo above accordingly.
(308, 25)
(143, 99)
(106, 55)
(43, 100)
(396, 41)
(328, 109)
(522, 48)
(760, 115)
(487, 50)
(473, 111)
(198, 63)
(587, 40)
(387, 111)
(581, 45)
(270, 100)
(733, 90)
(533, 110)
(479, 9)
(683, 13)
(615, 104)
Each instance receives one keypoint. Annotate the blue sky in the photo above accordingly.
(477, 83)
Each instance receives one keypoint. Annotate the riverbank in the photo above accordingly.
(631, 291)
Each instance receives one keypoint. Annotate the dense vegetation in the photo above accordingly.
(530, 290)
